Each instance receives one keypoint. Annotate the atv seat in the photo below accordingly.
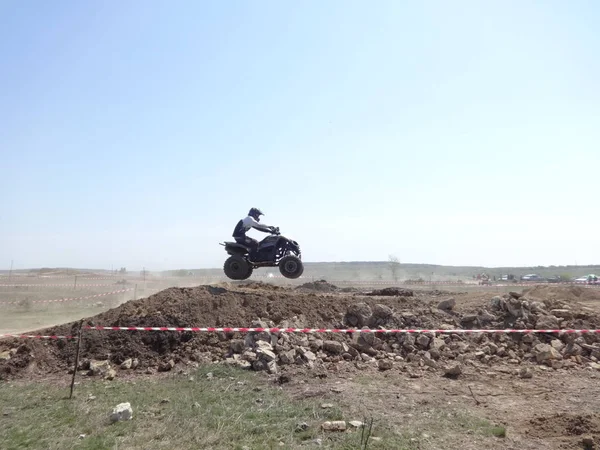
(237, 244)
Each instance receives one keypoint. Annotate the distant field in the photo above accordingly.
(28, 300)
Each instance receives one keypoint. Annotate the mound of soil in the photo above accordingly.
(392, 292)
(564, 293)
(573, 430)
(204, 306)
(318, 286)
(265, 306)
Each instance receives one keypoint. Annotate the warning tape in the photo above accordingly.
(335, 330)
(35, 336)
(55, 285)
(303, 330)
(70, 299)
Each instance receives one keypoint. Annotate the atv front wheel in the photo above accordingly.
(291, 267)
(237, 268)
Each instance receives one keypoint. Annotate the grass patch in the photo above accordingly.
(232, 409)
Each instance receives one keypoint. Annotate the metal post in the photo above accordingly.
(10, 271)
(76, 357)
(75, 284)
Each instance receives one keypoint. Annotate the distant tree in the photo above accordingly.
(394, 264)
(123, 270)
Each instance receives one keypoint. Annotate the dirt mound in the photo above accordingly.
(564, 293)
(574, 429)
(260, 285)
(392, 292)
(266, 307)
(210, 306)
(318, 286)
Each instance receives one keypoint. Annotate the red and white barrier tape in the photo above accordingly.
(302, 330)
(55, 285)
(35, 336)
(70, 299)
(334, 330)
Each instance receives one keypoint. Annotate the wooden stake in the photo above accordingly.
(79, 334)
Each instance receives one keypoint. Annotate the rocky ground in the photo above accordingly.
(289, 356)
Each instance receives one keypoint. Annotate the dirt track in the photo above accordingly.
(516, 379)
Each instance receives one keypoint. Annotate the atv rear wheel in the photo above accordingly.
(291, 267)
(237, 268)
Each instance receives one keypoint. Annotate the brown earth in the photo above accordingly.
(542, 386)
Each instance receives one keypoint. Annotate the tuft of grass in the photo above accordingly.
(498, 431)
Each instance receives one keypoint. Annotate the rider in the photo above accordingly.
(251, 221)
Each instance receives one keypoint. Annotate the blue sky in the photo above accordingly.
(137, 133)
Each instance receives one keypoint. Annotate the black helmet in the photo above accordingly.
(256, 213)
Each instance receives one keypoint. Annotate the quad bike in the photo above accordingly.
(273, 251)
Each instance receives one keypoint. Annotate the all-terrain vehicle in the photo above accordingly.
(273, 251)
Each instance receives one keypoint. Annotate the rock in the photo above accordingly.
(486, 317)
(336, 425)
(588, 443)
(237, 346)
(259, 365)
(381, 315)
(515, 295)
(135, 363)
(430, 363)
(249, 356)
(9, 411)
(447, 305)
(545, 352)
(385, 364)
(547, 323)
(525, 373)
(121, 412)
(557, 344)
(453, 371)
(573, 350)
(562, 313)
(166, 366)
(127, 364)
(5, 356)
(300, 427)
(263, 346)
(356, 424)
(422, 341)
(111, 374)
(272, 367)
(438, 343)
(288, 357)
(266, 355)
(334, 347)
(327, 405)
(98, 368)
(358, 315)
(468, 319)
(310, 356)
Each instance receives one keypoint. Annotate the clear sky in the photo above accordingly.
(138, 133)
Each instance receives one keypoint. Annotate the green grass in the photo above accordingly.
(232, 410)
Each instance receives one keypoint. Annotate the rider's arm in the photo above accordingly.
(256, 225)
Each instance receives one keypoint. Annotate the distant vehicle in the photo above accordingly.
(555, 279)
(532, 277)
(590, 279)
(508, 277)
